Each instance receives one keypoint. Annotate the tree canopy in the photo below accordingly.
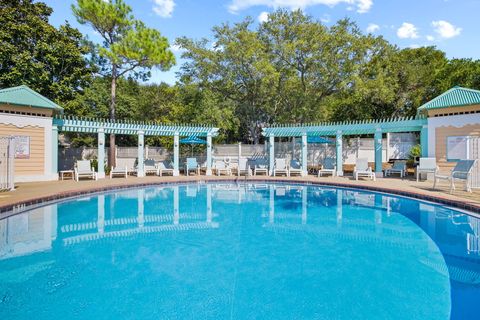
(291, 68)
(33, 52)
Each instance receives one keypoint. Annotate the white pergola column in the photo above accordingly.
(176, 154)
(304, 155)
(140, 167)
(209, 154)
(378, 152)
(101, 154)
(239, 156)
(271, 153)
(339, 153)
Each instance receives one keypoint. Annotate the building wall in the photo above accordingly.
(439, 128)
(453, 111)
(38, 167)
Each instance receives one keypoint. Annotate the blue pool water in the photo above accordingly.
(240, 251)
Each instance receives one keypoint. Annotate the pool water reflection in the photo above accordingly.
(241, 251)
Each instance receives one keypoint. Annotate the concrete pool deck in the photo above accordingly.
(34, 193)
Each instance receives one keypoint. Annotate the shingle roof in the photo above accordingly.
(454, 97)
(24, 96)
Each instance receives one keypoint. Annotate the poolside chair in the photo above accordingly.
(149, 167)
(427, 165)
(165, 167)
(295, 168)
(221, 168)
(328, 167)
(281, 167)
(399, 167)
(260, 167)
(243, 167)
(192, 165)
(462, 171)
(84, 169)
(363, 170)
(120, 171)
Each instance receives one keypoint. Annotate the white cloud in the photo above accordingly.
(430, 38)
(176, 48)
(325, 18)
(238, 5)
(164, 8)
(263, 17)
(446, 29)
(372, 27)
(407, 31)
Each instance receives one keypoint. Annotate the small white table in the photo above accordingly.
(66, 174)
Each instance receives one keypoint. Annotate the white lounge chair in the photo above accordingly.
(295, 168)
(221, 168)
(399, 167)
(120, 171)
(149, 167)
(328, 167)
(260, 167)
(243, 167)
(165, 167)
(192, 165)
(363, 170)
(427, 165)
(281, 167)
(84, 169)
(462, 171)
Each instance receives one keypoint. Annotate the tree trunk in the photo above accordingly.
(111, 154)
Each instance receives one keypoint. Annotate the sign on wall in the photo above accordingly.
(22, 147)
(457, 148)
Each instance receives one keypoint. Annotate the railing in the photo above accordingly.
(6, 163)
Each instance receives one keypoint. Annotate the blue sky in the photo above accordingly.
(451, 25)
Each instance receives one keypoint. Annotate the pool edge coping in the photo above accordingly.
(21, 206)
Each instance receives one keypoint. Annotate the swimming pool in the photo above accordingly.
(240, 251)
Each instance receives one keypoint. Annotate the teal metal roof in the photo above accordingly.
(454, 97)
(405, 124)
(24, 96)
(90, 125)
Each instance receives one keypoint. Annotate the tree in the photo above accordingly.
(129, 47)
(33, 52)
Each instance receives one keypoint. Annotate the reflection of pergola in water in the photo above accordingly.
(145, 223)
(460, 269)
(141, 129)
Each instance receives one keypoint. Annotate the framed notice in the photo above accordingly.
(22, 147)
(457, 148)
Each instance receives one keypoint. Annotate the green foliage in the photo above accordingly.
(415, 151)
(33, 52)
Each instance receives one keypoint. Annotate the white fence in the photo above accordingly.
(6, 163)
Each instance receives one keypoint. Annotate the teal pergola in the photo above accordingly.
(141, 129)
(340, 129)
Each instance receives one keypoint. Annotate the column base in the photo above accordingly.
(339, 173)
(208, 172)
(176, 173)
(140, 174)
(379, 174)
(101, 175)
